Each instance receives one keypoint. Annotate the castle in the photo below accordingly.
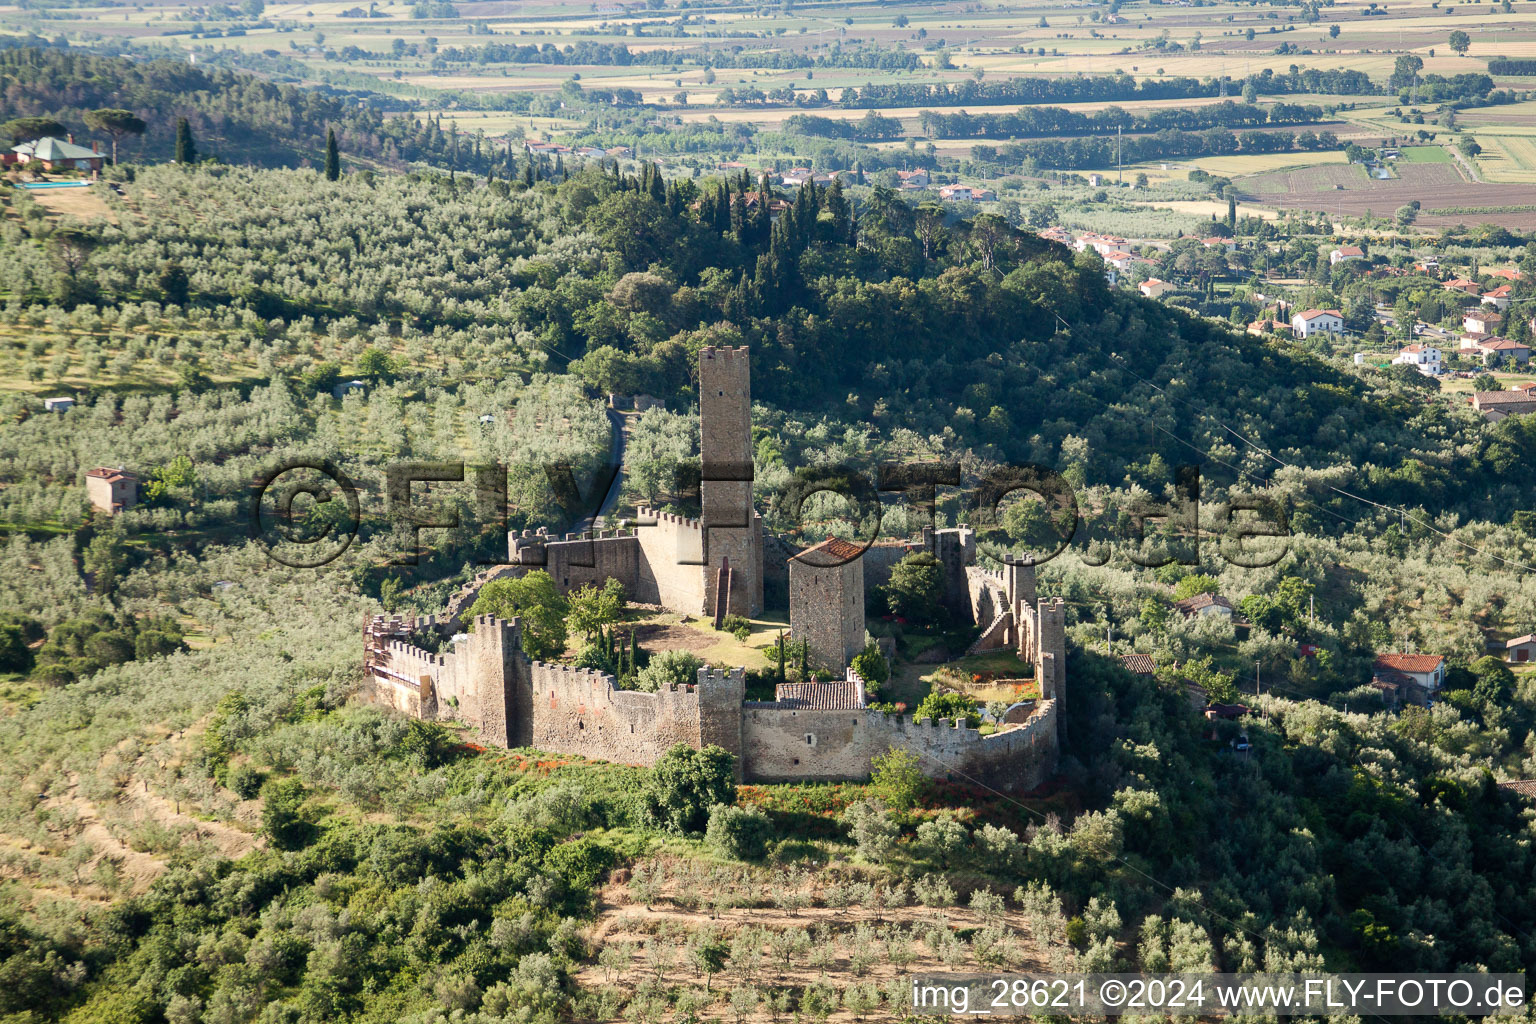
(715, 566)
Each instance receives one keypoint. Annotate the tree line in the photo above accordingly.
(1028, 121)
(1122, 87)
(1075, 153)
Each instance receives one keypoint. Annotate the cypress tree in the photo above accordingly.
(186, 148)
(1232, 212)
(332, 156)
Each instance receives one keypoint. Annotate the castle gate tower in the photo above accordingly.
(732, 529)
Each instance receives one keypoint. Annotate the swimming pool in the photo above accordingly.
(53, 184)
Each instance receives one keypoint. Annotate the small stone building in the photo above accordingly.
(826, 603)
(111, 490)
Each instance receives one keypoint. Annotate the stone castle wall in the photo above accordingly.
(810, 744)
(486, 682)
(671, 566)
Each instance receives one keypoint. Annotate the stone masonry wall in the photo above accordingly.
(782, 744)
(826, 611)
(670, 571)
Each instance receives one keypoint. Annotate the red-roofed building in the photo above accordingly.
(1426, 671)
(1344, 253)
(1317, 321)
(1498, 297)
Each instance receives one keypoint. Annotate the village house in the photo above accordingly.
(1265, 325)
(59, 155)
(1496, 351)
(1462, 284)
(1152, 288)
(1345, 253)
(111, 490)
(1423, 672)
(1481, 321)
(913, 179)
(59, 405)
(1507, 273)
(1120, 259)
(1498, 298)
(1317, 321)
(1217, 242)
(1424, 358)
(1521, 650)
(952, 193)
(796, 176)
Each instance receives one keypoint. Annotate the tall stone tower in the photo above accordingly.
(733, 535)
(826, 603)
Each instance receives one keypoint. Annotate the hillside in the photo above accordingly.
(199, 820)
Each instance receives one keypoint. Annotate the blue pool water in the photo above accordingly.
(54, 184)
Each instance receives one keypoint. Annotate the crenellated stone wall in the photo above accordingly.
(485, 681)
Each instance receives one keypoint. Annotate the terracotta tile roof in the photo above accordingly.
(107, 473)
(843, 696)
(1482, 398)
(1523, 787)
(1140, 664)
(1199, 601)
(1517, 641)
(832, 551)
(1313, 314)
(1419, 663)
(1502, 345)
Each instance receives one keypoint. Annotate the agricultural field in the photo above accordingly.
(1506, 158)
(1347, 191)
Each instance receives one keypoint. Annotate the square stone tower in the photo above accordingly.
(826, 603)
(732, 530)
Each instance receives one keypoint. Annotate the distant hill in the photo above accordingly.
(238, 118)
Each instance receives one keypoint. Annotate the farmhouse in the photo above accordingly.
(1345, 253)
(1152, 288)
(1462, 284)
(913, 179)
(1495, 405)
(1317, 321)
(1205, 605)
(480, 675)
(111, 490)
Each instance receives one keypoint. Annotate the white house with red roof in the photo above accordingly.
(1345, 253)
(1317, 321)
(1152, 288)
(1498, 297)
(1426, 671)
(1424, 358)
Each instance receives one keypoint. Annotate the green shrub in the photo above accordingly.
(244, 781)
(738, 832)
